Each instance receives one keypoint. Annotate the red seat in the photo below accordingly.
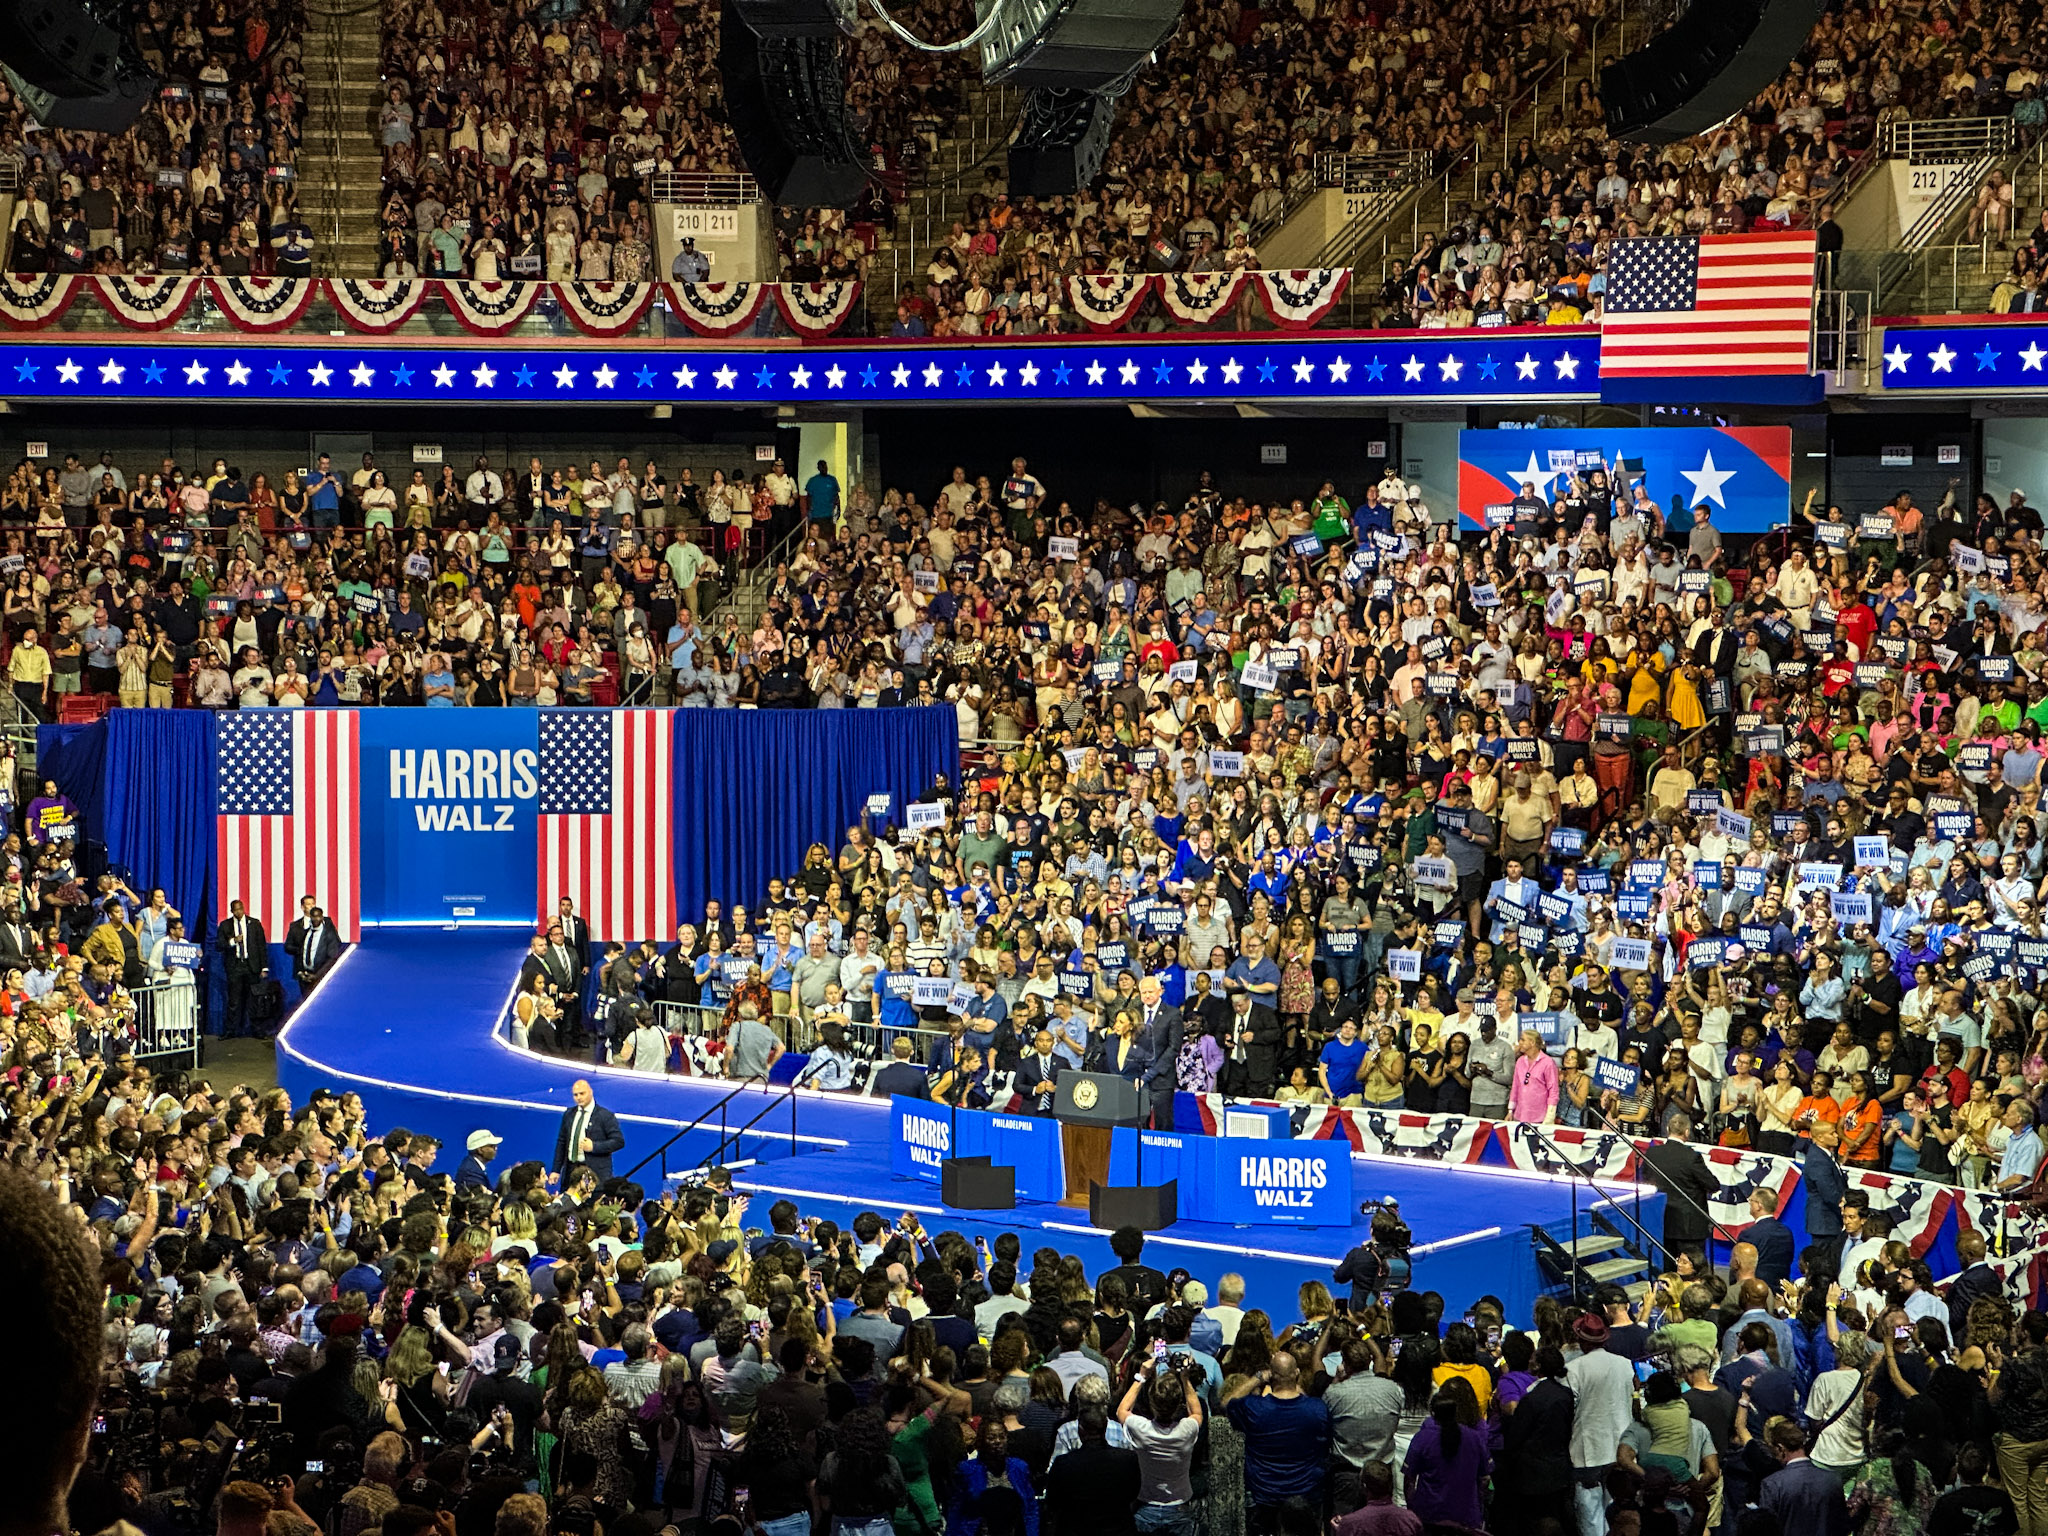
(82, 708)
(604, 689)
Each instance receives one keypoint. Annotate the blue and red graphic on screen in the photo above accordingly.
(1742, 474)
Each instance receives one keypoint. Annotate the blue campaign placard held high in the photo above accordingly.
(450, 815)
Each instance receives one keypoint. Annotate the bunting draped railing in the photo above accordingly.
(1221, 301)
(374, 306)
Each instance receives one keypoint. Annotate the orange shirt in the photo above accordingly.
(1862, 1124)
(1825, 1110)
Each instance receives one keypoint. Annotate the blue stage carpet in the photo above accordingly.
(407, 1019)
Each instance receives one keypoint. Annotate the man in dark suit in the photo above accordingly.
(1163, 1032)
(565, 968)
(534, 962)
(589, 1134)
(1716, 649)
(1253, 1042)
(475, 1169)
(313, 945)
(901, 1075)
(1977, 1279)
(1771, 1238)
(1039, 1074)
(1825, 1189)
(245, 960)
(1677, 1168)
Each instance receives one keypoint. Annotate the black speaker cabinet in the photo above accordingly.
(1148, 1207)
(1704, 68)
(977, 1184)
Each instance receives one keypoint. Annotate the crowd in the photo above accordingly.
(521, 141)
(204, 183)
(247, 1315)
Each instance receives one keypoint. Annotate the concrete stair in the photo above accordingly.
(979, 134)
(344, 89)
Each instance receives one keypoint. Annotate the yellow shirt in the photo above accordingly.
(29, 664)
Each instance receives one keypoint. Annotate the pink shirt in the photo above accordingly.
(1532, 1087)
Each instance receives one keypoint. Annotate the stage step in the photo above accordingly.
(1583, 1248)
(1600, 1271)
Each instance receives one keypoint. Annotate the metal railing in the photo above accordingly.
(728, 1135)
(167, 1023)
(1932, 140)
(706, 188)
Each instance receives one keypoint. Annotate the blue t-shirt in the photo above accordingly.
(1344, 1063)
(1287, 1446)
(821, 492)
(1904, 1159)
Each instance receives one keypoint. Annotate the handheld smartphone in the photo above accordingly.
(1493, 1338)
(1158, 1349)
(589, 1299)
(1469, 1321)
(316, 1466)
(99, 1424)
(1397, 1346)
(442, 1367)
(1903, 1331)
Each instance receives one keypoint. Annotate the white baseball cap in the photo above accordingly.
(479, 1139)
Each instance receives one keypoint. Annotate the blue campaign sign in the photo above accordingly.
(449, 804)
(1242, 1181)
(924, 1136)
(1742, 473)
(1569, 842)
(1551, 1028)
(1595, 882)
(1620, 1076)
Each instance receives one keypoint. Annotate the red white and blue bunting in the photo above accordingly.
(1196, 298)
(1104, 301)
(717, 309)
(1297, 300)
(604, 309)
(815, 310)
(1562, 1148)
(489, 309)
(146, 303)
(41, 299)
(375, 305)
(262, 303)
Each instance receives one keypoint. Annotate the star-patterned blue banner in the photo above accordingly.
(1475, 365)
(1961, 358)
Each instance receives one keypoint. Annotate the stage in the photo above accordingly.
(410, 1020)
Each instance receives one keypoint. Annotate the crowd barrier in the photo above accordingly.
(1926, 1215)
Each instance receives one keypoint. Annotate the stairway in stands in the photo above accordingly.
(976, 140)
(339, 164)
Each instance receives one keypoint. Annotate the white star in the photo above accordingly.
(686, 378)
(835, 377)
(2031, 358)
(1304, 370)
(1095, 373)
(997, 373)
(1526, 366)
(725, 376)
(362, 375)
(444, 377)
(1707, 482)
(485, 375)
(899, 376)
(1340, 371)
(607, 376)
(1028, 375)
(1942, 358)
(1532, 475)
(111, 371)
(1412, 369)
(1233, 370)
(1198, 372)
(320, 373)
(800, 377)
(195, 372)
(1128, 373)
(932, 375)
(238, 372)
(1450, 368)
(69, 371)
(1896, 359)
(1567, 366)
(564, 376)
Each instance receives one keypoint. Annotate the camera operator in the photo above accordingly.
(1380, 1265)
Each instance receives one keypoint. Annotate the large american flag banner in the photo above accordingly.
(287, 815)
(1682, 306)
(606, 803)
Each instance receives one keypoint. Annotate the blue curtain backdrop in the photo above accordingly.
(755, 788)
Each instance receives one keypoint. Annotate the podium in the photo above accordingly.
(1089, 1107)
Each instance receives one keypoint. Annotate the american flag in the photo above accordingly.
(606, 843)
(287, 815)
(1709, 304)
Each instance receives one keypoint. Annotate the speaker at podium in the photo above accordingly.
(1089, 1107)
